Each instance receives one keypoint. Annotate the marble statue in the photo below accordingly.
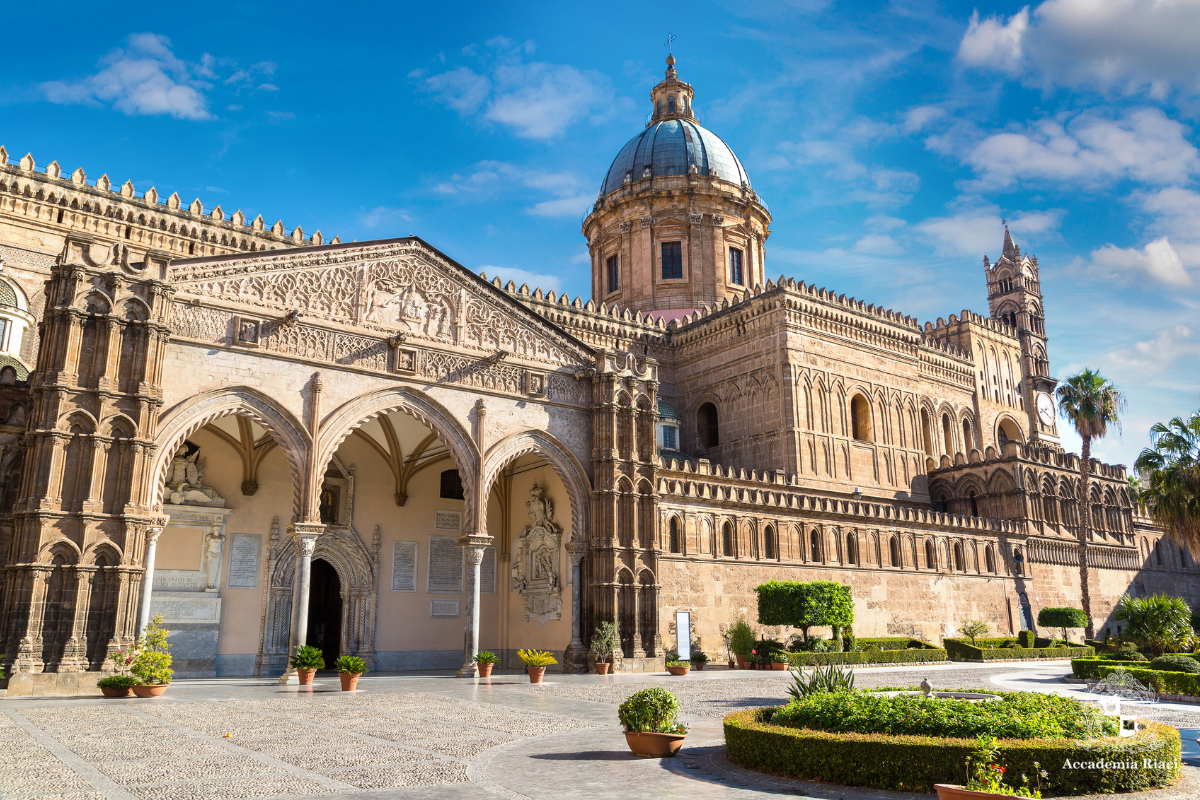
(213, 544)
(185, 480)
(535, 560)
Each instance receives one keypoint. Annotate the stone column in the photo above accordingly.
(305, 535)
(473, 544)
(575, 658)
(153, 531)
(639, 646)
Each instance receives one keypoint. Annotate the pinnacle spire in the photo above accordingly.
(1010, 248)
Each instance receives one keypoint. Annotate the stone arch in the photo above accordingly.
(61, 546)
(194, 413)
(1009, 428)
(353, 414)
(106, 548)
(562, 460)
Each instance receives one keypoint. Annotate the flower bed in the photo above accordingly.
(915, 763)
(929, 653)
(963, 650)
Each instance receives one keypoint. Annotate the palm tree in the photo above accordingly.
(1171, 468)
(1090, 402)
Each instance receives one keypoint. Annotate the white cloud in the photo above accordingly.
(563, 207)
(873, 185)
(1158, 261)
(144, 78)
(1145, 145)
(1125, 46)
(567, 197)
(536, 100)
(520, 276)
(1154, 357)
(381, 216)
(974, 233)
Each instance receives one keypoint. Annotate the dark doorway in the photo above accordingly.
(325, 611)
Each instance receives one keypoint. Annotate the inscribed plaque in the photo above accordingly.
(243, 561)
(487, 571)
(445, 572)
(447, 520)
(404, 566)
(443, 608)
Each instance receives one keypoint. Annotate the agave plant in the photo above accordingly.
(833, 678)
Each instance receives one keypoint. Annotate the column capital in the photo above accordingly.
(475, 540)
(306, 529)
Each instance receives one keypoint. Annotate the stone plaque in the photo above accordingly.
(243, 560)
(404, 566)
(175, 580)
(443, 608)
(487, 571)
(447, 520)
(176, 608)
(445, 565)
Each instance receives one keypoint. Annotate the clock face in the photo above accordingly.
(1045, 409)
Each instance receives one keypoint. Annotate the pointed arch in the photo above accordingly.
(562, 461)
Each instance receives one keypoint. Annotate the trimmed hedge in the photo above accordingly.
(961, 649)
(916, 763)
(914, 656)
(894, 643)
(1090, 667)
(1166, 682)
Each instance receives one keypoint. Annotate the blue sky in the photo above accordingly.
(889, 139)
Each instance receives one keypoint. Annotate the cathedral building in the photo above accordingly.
(270, 439)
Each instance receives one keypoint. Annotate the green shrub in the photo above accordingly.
(1157, 622)
(1017, 715)
(537, 658)
(831, 679)
(1176, 662)
(117, 682)
(961, 650)
(741, 638)
(916, 763)
(486, 657)
(1185, 683)
(805, 605)
(913, 656)
(152, 662)
(653, 710)
(1062, 618)
(973, 629)
(352, 665)
(1025, 639)
(605, 639)
(699, 657)
(894, 643)
(308, 657)
(1127, 655)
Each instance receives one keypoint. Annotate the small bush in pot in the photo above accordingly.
(651, 722)
(306, 661)
(536, 662)
(677, 667)
(741, 641)
(349, 668)
(605, 640)
(485, 661)
(699, 659)
(151, 663)
(117, 685)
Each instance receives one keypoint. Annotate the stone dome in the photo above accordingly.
(673, 147)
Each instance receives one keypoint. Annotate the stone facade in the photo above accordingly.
(272, 440)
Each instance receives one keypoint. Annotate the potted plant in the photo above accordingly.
(536, 662)
(741, 641)
(117, 685)
(986, 776)
(349, 668)
(604, 643)
(677, 667)
(485, 660)
(699, 659)
(306, 661)
(151, 663)
(651, 722)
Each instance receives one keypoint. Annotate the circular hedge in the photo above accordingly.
(1148, 760)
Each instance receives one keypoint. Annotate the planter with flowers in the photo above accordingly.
(485, 660)
(117, 685)
(986, 776)
(651, 722)
(151, 663)
(536, 662)
(349, 668)
(677, 667)
(306, 661)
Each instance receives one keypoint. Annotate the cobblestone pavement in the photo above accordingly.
(430, 737)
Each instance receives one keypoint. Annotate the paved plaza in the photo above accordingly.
(432, 736)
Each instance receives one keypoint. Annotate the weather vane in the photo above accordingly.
(670, 38)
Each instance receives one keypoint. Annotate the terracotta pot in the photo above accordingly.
(349, 680)
(306, 676)
(485, 670)
(115, 692)
(601, 667)
(677, 670)
(535, 674)
(779, 665)
(741, 662)
(947, 791)
(150, 690)
(700, 665)
(654, 745)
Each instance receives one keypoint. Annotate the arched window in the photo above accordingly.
(671, 104)
(990, 559)
(930, 555)
(1007, 431)
(707, 428)
(958, 557)
(894, 550)
(851, 549)
(974, 505)
(1158, 552)
(948, 438)
(860, 418)
(968, 439)
(673, 536)
(727, 539)
(926, 433)
(769, 543)
(815, 541)
(451, 485)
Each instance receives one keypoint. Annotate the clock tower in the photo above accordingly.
(1015, 298)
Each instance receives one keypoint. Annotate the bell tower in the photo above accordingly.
(1015, 298)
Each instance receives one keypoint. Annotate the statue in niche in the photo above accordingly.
(213, 544)
(185, 480)
(535, 560)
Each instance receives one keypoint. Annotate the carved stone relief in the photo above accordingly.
(535, 560)
(184, 485)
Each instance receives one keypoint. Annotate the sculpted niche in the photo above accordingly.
(184, 485)
(535, 560)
